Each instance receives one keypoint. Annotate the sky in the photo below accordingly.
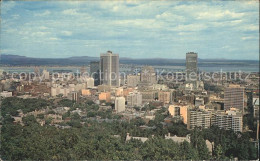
(134, 29)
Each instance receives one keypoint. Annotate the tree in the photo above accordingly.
(218, 152)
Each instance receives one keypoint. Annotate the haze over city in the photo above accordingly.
(135, 29)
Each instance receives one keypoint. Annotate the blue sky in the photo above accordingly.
(136, 29)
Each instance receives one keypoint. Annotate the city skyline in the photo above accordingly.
(223, 30)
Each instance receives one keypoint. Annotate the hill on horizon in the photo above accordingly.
(17, 60)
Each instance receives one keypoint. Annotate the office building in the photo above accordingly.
(148, 75)
(133, 80)
(147, 96)
(191, 66)
(164, 97)
(134, 99)
(120, 104)
(109, 68)
(95, 72)
(234, 97)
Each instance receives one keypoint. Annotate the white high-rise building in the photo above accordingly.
(120, 104)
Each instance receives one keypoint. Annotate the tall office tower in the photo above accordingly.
(191, 66)
(94, 72)
(120, 104)
(234, 97)
(109, 68)
(134, 99)
(198, 118)
(148, 75)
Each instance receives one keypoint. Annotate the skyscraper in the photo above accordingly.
(234, 97)
(109, 68)
(94, 72)
(191, 66)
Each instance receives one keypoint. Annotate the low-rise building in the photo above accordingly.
(6, 94)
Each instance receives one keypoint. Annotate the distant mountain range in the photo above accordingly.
(16, 60)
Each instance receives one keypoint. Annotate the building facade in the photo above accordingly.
(198, 118)
(234, 97)
(133, 80)
(148, 75)
(191, 66)
(120, 104)
(95, 72)
(109, 69)
(134, 99)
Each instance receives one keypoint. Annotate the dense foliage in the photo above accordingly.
(92, 140)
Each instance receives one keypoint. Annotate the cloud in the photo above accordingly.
(249, 38)
(45, 13)
(134, 28)
(66, 33)
(218, 14)
(70, 12)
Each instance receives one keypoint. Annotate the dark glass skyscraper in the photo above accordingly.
(95, 72)
(191, 66)
(109, 68)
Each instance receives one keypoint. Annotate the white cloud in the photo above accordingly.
(66, 33)
(170, 17)
(218, 14)
(70, 12)
(249, 38)
(45, 13)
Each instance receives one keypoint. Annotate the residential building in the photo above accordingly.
(198, 118)
(6, 94)
(105, 96)
(120, 104)
(134, 99)
(229, 120)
